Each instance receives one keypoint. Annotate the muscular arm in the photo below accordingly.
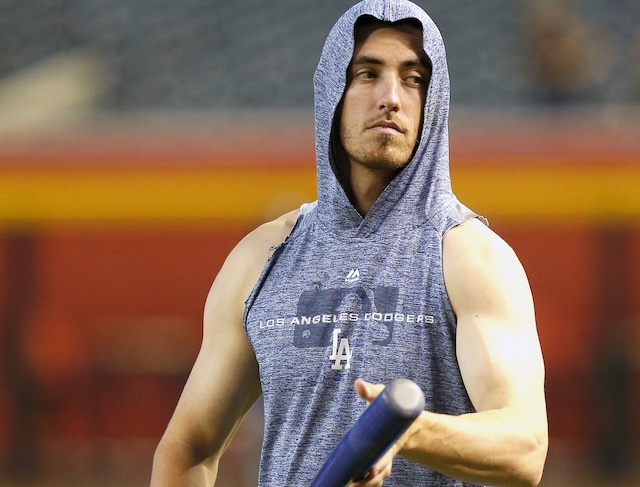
(504, 443)
(224, 382)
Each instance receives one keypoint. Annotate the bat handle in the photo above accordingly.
(387, 417)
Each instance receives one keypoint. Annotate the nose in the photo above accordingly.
(389, 94)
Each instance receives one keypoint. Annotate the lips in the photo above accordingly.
(387, 124)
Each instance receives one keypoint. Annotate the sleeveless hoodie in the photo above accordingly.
(347, 296)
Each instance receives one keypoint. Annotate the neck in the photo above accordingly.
(365, 185)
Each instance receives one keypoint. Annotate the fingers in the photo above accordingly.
(381, 470)
(378, 473)
(367, 390)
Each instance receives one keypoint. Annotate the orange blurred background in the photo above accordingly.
(111, 236)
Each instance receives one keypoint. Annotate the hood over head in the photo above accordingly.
(422, 190)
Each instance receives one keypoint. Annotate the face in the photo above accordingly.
(381, 113)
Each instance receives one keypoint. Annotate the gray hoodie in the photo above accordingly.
(347, 296)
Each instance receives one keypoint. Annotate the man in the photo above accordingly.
(387, 275)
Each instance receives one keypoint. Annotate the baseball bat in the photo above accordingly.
(376, 430)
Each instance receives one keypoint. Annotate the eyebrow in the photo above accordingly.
(410, 63)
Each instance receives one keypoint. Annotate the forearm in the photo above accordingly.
(486, 448)
(175, 466)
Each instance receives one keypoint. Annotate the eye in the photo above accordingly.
(416, 80)
(364, 74)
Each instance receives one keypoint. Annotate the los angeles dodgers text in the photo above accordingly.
(346, 318)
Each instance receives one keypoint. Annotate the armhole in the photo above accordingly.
(276, 250)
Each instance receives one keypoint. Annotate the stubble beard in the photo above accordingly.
(382, 152)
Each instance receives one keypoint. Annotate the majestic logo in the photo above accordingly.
(353, 275)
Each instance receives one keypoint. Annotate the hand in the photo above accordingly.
(381, 470)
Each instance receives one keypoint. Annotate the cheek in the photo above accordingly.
(344, 125)
(350, 118)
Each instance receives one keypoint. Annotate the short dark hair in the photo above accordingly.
(370, 20)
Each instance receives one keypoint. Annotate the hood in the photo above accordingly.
(422, 190)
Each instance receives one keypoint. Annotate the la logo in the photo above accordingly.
(341, 351)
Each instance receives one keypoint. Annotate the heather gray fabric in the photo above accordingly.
(346, 296)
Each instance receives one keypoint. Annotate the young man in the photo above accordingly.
(387, 275)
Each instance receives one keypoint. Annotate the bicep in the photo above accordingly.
(501, 367)
(497, 343)
(224, 381)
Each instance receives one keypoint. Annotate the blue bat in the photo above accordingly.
(382, 423)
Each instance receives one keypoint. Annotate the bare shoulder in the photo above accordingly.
(246, 261)
(473, 239)
(273, 232)
(481, 269)
(474, 246)
(257, 245)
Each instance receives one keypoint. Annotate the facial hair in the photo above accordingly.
(381, 151)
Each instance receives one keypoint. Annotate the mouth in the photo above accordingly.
(387, 126)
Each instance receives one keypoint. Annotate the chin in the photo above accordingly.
(385, 162)
(392, 158)
(384, 155)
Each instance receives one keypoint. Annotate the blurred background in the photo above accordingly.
(139, 141)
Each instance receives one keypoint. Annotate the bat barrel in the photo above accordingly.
(381, 424)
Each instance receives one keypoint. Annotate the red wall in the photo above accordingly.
(115, 320)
